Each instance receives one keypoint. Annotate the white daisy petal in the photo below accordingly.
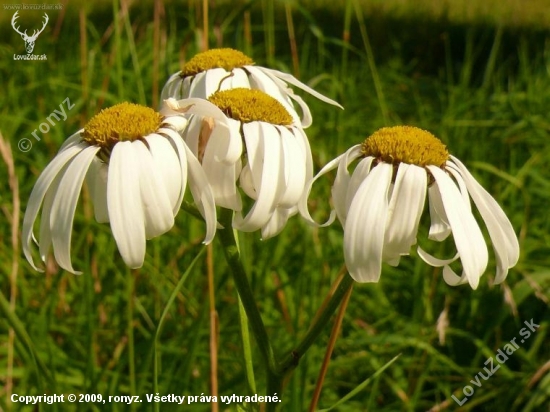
(405, 209)
(246, 182)
(302, 205)
(452, 279)
(189, 106)
(167, 164)
(341, 182)
(439, 227)
(64, 206)
(39, 191)
(366, 224)
(467, 235)
(45, 234)
(307, 119)
(433, 261)
(461, 185)
(505, 242)
(97, 182)
(219, 164)
(125, 208)
(275, 88)
(72, 140)
(277, 222)
(192, 133)
(302, 140)
(357, 178)
(202, 194)
(264, 166)
(294, 169)
(180, 148)
(172, 88)
(155, 202)
(295, 82)
(208, 82)
(239, 78)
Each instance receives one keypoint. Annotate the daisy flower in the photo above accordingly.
(244, 136)
(137, 167)
(381, 203)
(221, 69)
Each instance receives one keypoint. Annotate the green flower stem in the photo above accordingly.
(247, 350)
(292, 359)
(233, 257)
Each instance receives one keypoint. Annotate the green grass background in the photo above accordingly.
(476, 76)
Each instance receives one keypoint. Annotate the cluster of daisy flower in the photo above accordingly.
(230, 130)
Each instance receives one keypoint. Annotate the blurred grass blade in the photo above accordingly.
(361, 386)
(15, 323)
(163, 317)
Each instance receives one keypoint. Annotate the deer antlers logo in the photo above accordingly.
(29, 40)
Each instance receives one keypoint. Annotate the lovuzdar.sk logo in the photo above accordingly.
(29, 40)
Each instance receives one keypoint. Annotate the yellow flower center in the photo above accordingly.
(247, 105)
(124, 121)
(227, 59)
(406, 144)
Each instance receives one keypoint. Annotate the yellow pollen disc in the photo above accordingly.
(227, 59)
(406, 144)
(247, 105)
(124, 121)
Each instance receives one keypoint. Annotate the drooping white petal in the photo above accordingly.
(238, 79)
(452, 279)
(185, 87)
(366, 224)
(307, 119)
(405, 209)
(124, 201)
(39, 191)
(303, 142)
(45, 234)
(167, 164)
(295, 82)
(208, 82)
(264, 156)
(192, 105)
(275, 88)
(340, 187)
(202, 194)
(433, 261)
(97, 182)
(302, 204)
(192, 134)
(157, 207)
(181, 149)
(172, 88)
(461, 184)
(357, 178)
(221, 155)
(505, 242)
(72, 140)
(277, 222)
(64, 206)
(466, 233)
(439, 227)
(246, 182)
(176, 122)
(293, 163)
